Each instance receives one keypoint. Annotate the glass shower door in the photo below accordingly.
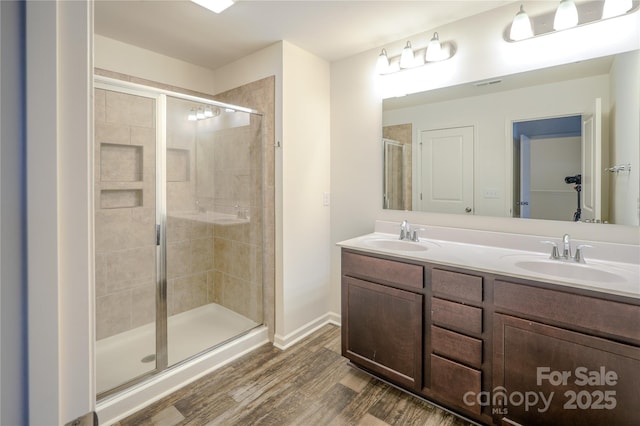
(213, 225)
(178, 229)
(125, 235)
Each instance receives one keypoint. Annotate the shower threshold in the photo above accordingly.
(130, 354)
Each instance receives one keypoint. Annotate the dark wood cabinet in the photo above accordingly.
(382, 327)
(457, 335)
(496, 349)
(554, 376)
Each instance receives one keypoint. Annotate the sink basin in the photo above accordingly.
(397, 245)
(575, 271)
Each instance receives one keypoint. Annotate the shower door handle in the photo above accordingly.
(157, 235)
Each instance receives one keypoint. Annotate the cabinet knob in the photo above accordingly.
(468, 210)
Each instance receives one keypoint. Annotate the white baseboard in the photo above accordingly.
(284, 342)
(122, 405)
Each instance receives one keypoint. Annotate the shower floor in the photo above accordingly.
(130, 354)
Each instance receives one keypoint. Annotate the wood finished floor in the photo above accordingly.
(309, 384)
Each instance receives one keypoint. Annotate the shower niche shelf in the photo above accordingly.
(178, 165)
(121, 163)
(120, 198)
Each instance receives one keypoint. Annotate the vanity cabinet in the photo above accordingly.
(496, 349)
(382, 306)
(569, 356)
(555, 376)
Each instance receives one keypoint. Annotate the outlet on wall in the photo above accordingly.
(325, 198)
(491, 193)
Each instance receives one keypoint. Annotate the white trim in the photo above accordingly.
(134, 399)
(284, 342)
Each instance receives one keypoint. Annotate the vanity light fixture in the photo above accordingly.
(216, 6)
(203, 113)
(521, 27)
(566, 15)
(407, 58)
(615, 8)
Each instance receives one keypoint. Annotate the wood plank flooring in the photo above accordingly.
(307, 385)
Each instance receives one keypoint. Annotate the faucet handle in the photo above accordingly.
(415, 236)
(554, 250)
(578, 257)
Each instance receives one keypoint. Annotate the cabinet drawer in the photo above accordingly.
(457, 316)
(456, 285)
(603, 316)
(457, 347)
(382, 270)
(451, 381)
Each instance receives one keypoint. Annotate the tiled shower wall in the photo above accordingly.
(220, 168)
(205, 262)
(124, 211)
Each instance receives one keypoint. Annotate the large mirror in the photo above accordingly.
(559, 143)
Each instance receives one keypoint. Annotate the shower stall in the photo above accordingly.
(178, 229)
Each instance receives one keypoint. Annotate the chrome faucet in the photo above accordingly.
(405, 230)
(566, 250)
(407, 234)
(566, 244)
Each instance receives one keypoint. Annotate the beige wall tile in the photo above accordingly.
(99, 102)
(179, 259)
(138, 264)
(112, 133)
(201, 254)
(113, 314)
(143, 304)
(189, 292)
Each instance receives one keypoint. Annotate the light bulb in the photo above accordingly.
(382, 66)
(434, 49)
(406, 58)
(616, 7)
(208, 113)
(192, 115)
(521, 26)
(200, 114)
(566, 15)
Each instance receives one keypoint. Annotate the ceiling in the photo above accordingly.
(329, 29)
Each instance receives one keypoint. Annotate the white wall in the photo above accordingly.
(356, 110)
(305, 177)
(491, 115)
(625, 110)
(114, 55)
(60, 311)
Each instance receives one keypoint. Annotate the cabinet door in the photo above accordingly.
(551, 375)
(382, 330)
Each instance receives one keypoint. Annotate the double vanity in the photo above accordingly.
(498, 328)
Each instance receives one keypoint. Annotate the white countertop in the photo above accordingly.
(609, 268)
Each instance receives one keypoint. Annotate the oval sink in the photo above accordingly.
(576, 271)
(398, 245)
